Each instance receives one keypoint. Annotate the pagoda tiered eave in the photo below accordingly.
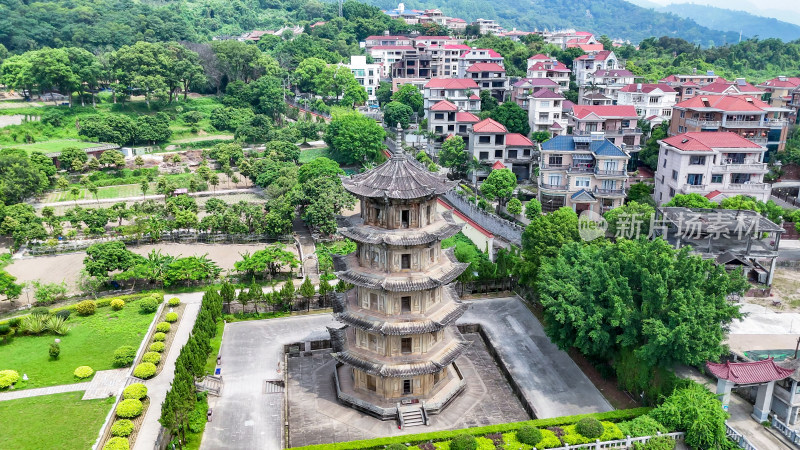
(346, 268)
(368, 234)
(399, 178)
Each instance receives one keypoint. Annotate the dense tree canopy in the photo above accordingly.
(354, 138)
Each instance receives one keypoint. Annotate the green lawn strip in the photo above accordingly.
(311, 154)
(413, 439)
(51, 146)
(197, 422)
(91, 342)
(58, 421)
(216, 343)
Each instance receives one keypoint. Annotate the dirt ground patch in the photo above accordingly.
(786, 288)
(66, 267)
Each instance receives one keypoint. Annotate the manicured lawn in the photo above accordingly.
(59, 421)
(52, 146)
(309, 155)
(120, 191)
(91, 342)
(216, 343)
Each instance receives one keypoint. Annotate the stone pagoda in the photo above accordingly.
(399, 344)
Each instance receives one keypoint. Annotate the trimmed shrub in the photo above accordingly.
(144, 370)
(658, 443)
(152, 357)
(641, 426)
(40, 311)
(15, 322)
(122, 428)
(529, 435)
(148, 305)
(83, 372)
(464, 442)
(86, 307)
(64, 313)
(174, 301)
(157, 347)
(171, 317)
(4, 329)
(159, 337)
(163, 327)
(117, 443)
(55, 350)
(129, 408)
(117, 304)
(136, 391)
(396, 447)
(8, 377)
(589, 427)
(123, 356)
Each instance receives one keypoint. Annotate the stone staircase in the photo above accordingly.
(412, 416)
(211, 384)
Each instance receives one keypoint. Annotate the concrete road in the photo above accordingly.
(245, 417)
(789, 250)
(550, 381)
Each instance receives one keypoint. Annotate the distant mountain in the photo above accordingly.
(615, 18)
(728, 20)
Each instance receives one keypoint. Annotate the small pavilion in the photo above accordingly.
(762, 374)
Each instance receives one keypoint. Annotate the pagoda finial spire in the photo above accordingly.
(398, 144)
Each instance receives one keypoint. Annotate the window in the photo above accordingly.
(373, 301)
(405, 345)
(665, 163)
(740, 178)
(555, 160)
(695, 179)
(431, 254)
(451, 128)
(484, 155)
(544, 116)
(697, 160)
(405, 261)
(438, 130)
(371, 383)
(526, 152)
(499, 139)
(404, 216)
(544, 104)
(716, 178)
(675, 175)
(512, 154)
(484, 139)
(683, 113)
(554, 180)
(406, 387)
(405, 304)
(582, 182)
(662, 179)
(462, 128)
(438, 116)
(428, 213)
(498, 153)
(671, 192)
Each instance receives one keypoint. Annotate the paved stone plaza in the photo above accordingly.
(315, 416)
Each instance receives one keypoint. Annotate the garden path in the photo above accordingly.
(153, 197)
(25, 393)
(157, 387)
(104, 384)
(308, 250)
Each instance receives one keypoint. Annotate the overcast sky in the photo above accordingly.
(787, 10)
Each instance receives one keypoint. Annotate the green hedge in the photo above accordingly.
(413, 439)
(102, 302)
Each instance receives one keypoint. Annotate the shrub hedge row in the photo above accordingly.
(413, 439)
(98, 303)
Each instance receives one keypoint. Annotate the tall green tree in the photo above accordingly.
(499, 185)
(454, 156)
(409, 95)
(513, 117)
(395, 113)
(354, 138)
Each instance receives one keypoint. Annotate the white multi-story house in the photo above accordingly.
(367, 75)
(462, 92)
(583, 174)
(475, 56)
(523, 88)
(653, 102)
(490, 77)
(488, 26)
(386, 40)
(388, 55)
(496, 148)
(542, 66)
(607, 83)
(444, 58)
(715, 164)
(545, 111)
(445, 119)
(586, 65)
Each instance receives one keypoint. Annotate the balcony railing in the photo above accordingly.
(546, 166)
(777, 122)
(580, 169)
(609, 173)
(703, 123)
(741, 167)
(609, 192)
(609, 131)
(554, 187)
(758, 140)
(690, 188)
(743, 124)
(748, 187)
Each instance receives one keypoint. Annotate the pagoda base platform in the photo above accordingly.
(440, 396)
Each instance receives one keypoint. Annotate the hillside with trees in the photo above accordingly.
(728, 20)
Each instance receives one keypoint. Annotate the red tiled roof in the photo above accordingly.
(464, 116)
(386, 38)
(708, 140)
(546, 93)
(492, 53)
(556, 66)
(392, 47)
(538, 56)
(668, 79)
(583, 33)
(718, 87)
(612, 73)
(457, 47)
(451, 83)
(788, 82)
(518, 140)
(474, 97)
(535, 82)
(587, 47)
(456, 19)
(486, 67)
(444, 105)
(498, 165)
(556, 126)
(606, 111)
(428, 38)
(725, 103)
(749, 372)
(712, 194)
(601, 55)
(647, 87)
(689, 83)
(489, 126)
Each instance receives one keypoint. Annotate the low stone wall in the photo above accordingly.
(496, 225)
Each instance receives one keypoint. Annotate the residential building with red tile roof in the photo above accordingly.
(523, 88)
(606, 82)
(491, 143)
(541, 66)
(617, 123)
(491, 77)
(585, 65)
(387, 40)
(778, 91)
(708, 161)
(736, 87)
(477, 55)
(545, 109)
(653, 101)
(745, 115)
(687, 85)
